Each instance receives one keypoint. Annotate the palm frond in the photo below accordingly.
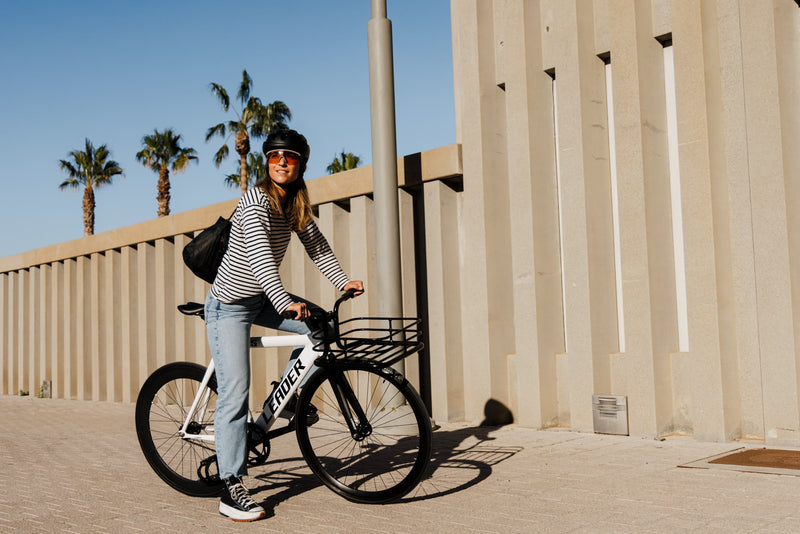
(233, 180)
(222, 95)
(70, 183)
(145, 157)
(218, 129)
(221, 155)
(243, 94)
(69, 168)
(183, 159)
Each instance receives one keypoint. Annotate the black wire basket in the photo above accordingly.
(379, 340)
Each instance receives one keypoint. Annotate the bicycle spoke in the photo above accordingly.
(162, 409)
(386, 454)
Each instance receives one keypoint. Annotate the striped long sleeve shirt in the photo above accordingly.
(258, 242)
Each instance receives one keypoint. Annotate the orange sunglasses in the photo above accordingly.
(291, 158)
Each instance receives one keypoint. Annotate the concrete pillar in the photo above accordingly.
(32, 338)
(585, 204)
(5, 357)
(487, 292)
(770, 223)
(145, 311)
(56, 320)
(127, 323)
(44, 326)
(164, 303)
(648, 276)
(410, 366)
(70, 338)
(186, 347)
(22, 338)
(113, 306)
(199, 291)
(97, 365)
(706, 223)
(83, 346)
(528, 90)
(11, 332)
(362, 250)
(787, 48)
(445, 304)
(333, 221)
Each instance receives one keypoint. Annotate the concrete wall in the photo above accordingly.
(622, 261)
(620, 216)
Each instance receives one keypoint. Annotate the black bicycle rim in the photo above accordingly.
(383, 461)
(188, 466)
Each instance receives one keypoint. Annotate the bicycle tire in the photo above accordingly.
(166, 396)
(377, 468)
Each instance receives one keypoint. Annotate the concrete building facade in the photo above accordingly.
(620, 215)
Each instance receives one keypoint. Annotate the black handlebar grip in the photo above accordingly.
(350, 293)
(289, 314)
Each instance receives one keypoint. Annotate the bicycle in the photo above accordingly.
(361, 426)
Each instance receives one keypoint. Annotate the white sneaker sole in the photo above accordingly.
(240, 515)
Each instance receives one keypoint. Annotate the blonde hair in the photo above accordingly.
(298, 206)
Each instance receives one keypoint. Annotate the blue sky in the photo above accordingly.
(114, 71)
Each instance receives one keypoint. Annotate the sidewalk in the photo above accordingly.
(75, 466)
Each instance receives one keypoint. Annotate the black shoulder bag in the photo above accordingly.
(203, 254)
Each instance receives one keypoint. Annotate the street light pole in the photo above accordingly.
(384, 162)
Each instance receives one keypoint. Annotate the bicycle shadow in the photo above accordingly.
(460, 458)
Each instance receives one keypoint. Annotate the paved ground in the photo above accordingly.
(73, 466)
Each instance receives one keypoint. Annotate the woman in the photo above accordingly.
(248, 290)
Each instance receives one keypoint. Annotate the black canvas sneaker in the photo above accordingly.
(236, 502)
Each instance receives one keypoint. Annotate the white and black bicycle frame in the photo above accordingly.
(280, 396)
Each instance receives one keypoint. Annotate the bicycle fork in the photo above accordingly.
(350, 407)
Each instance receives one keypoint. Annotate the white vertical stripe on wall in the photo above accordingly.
(612, 156)
(675, 189)
(560, 214)
(5, 357)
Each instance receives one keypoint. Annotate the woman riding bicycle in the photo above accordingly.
(248, 290)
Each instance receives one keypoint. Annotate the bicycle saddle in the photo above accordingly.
(191, 308)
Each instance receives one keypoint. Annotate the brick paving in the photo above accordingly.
(75, 466)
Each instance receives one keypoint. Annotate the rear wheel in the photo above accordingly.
(384, 452)
(188, 465)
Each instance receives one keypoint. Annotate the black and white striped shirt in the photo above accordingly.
(258, 243)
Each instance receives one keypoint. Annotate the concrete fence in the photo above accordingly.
(97, 315)
(620, 216)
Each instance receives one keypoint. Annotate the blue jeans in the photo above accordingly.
(228, 332)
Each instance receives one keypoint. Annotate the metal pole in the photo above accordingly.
(384, 162)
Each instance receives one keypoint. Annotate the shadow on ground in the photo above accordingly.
(460, 459)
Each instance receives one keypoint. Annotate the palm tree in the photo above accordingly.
(256, 170)
(255, 119)
(348, 161)
(91, 169)
(161, 151)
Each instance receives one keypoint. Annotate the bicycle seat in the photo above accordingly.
(192, 308)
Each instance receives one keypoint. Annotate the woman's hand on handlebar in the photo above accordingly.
(356, 285)
(298, 311)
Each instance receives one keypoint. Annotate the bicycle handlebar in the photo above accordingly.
(347, 295)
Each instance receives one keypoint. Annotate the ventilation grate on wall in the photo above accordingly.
(610, 413)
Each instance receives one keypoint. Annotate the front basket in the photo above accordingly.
(381, 340)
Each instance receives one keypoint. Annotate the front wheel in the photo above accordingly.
(372, 442)
(188, 465)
